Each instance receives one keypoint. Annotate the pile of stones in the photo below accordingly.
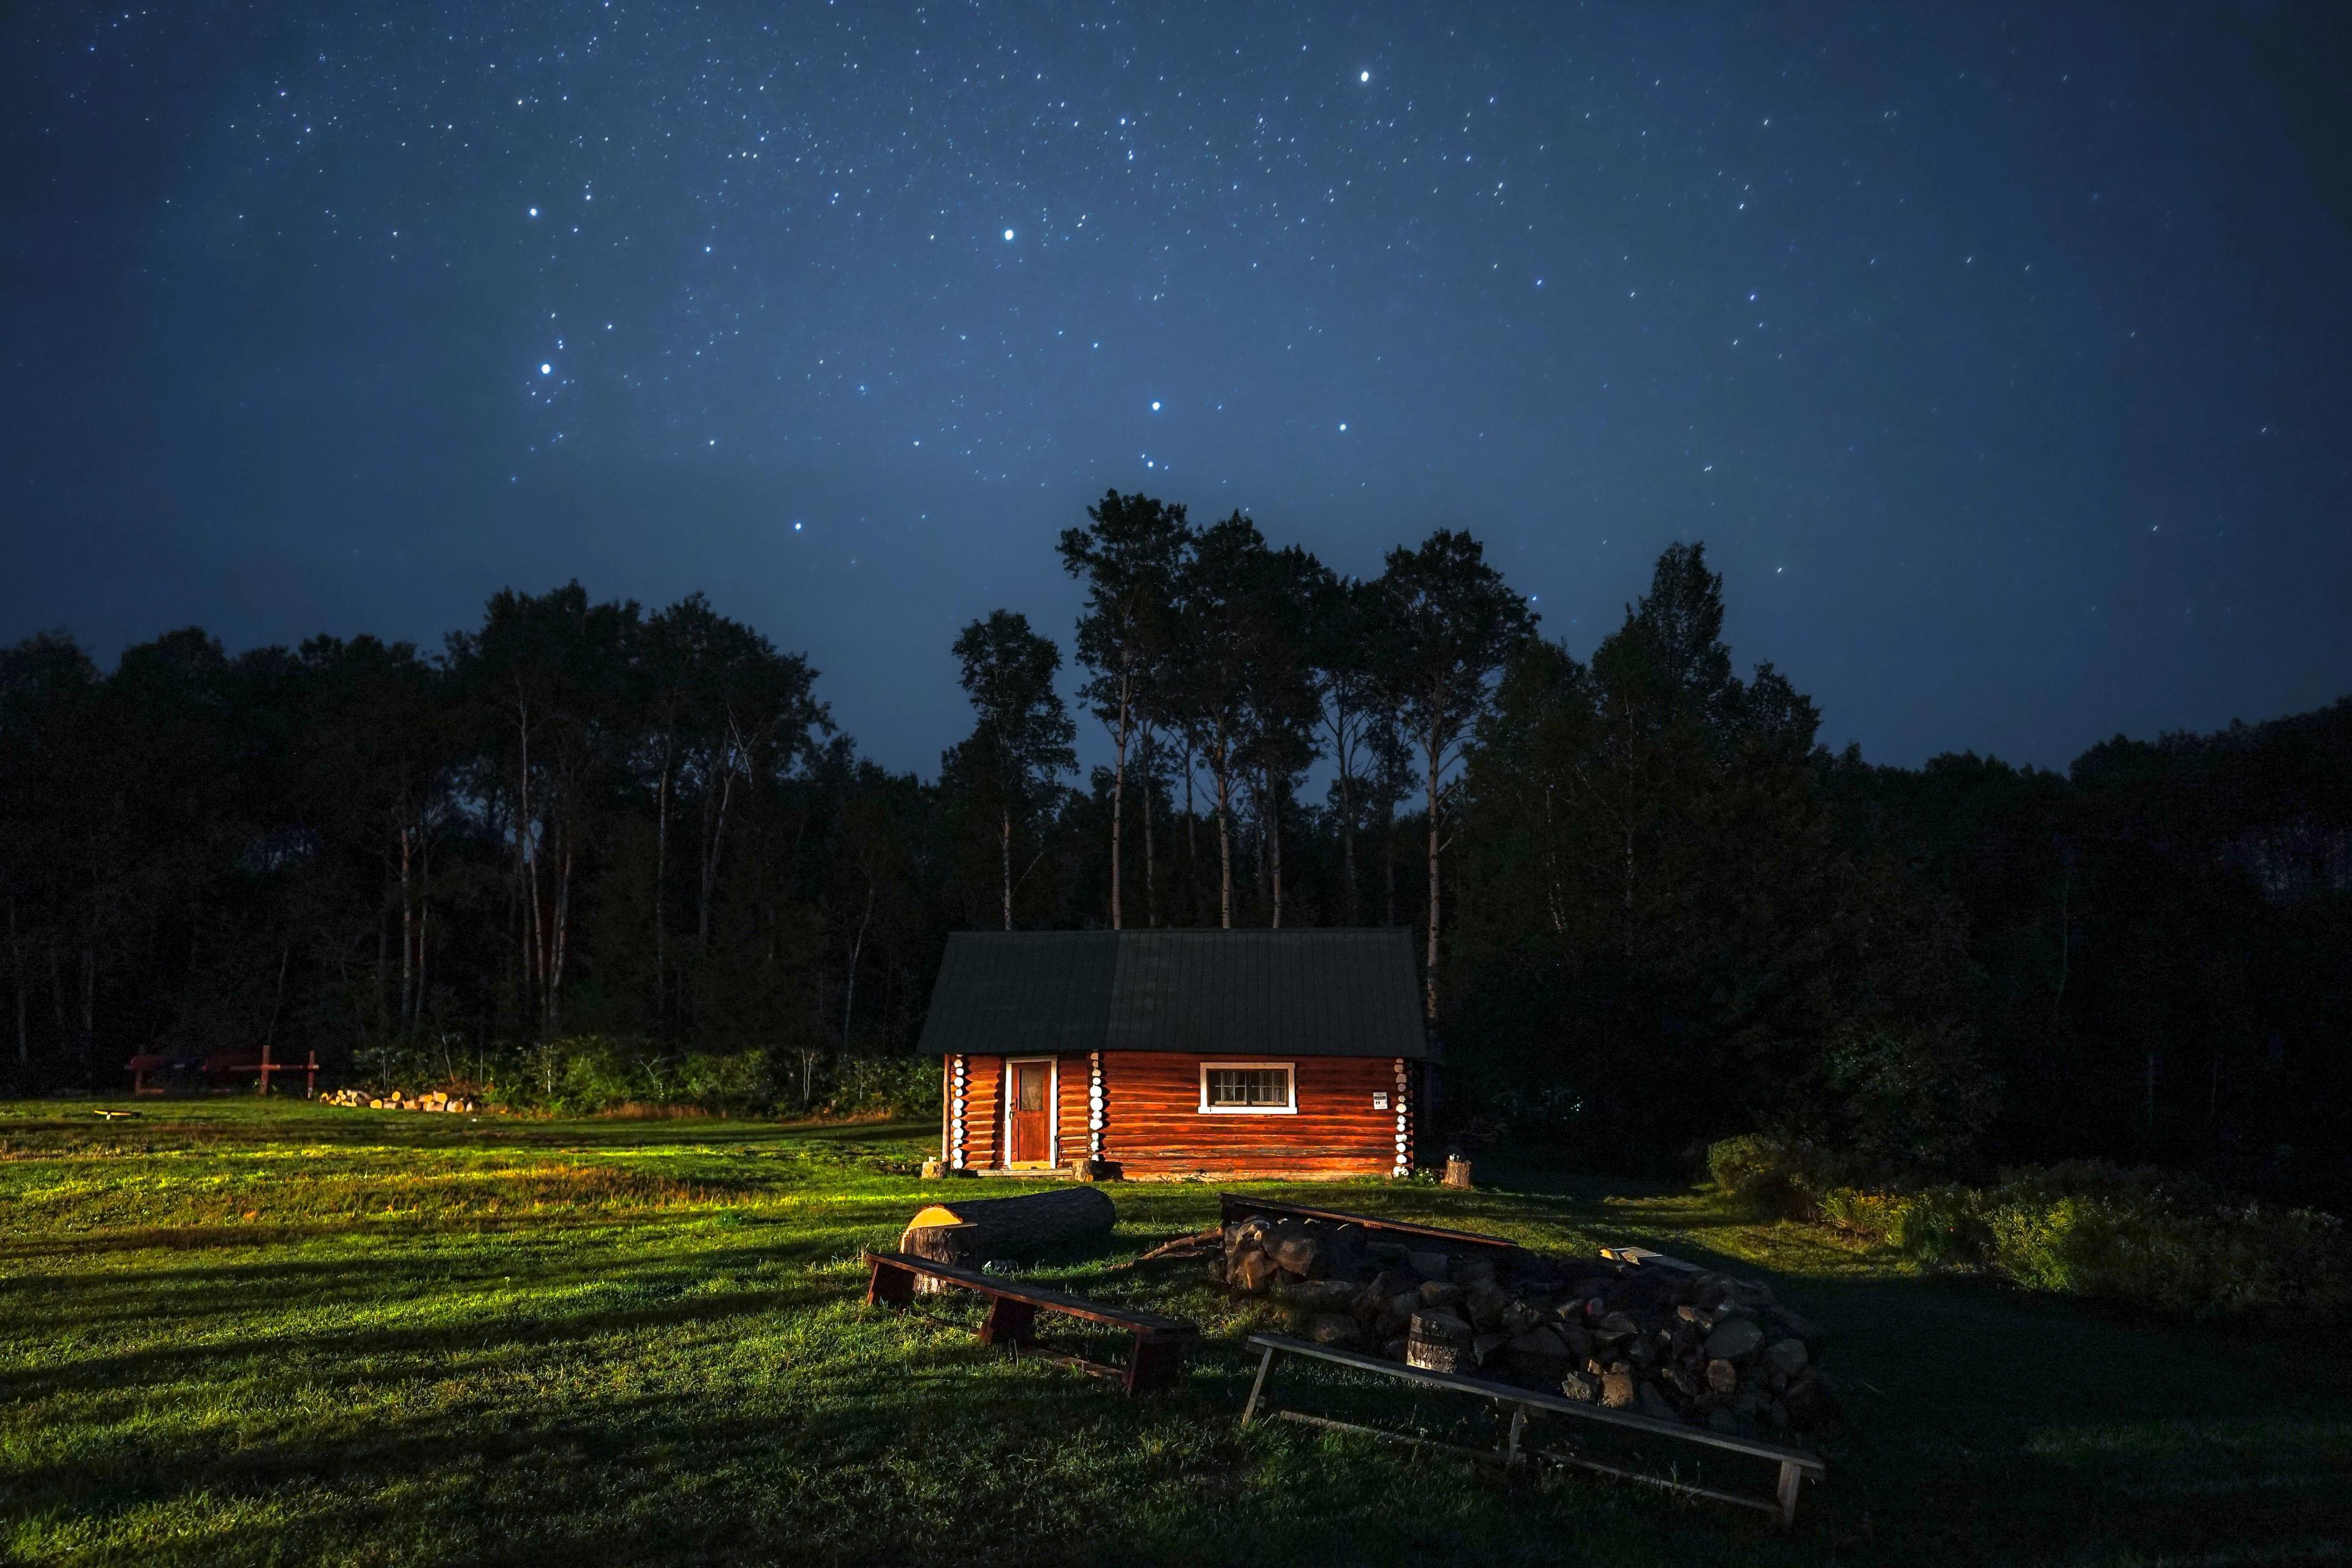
(1656, 1337)
(438, 1101)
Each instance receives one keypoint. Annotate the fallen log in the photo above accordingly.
(1022, 1226)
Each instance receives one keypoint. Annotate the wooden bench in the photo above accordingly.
(1232, 1207)
(1797, 1466)
(1160, 1341)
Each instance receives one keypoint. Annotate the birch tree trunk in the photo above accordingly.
(661, 895)
(1431, 977)
(1151, 863)
(17, 969)
(1274, 848)
(1119, 738)
(856, 945)
(407, 933)
(1004, 861)
(1224, 851)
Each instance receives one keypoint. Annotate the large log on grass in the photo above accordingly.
(1011, 1228)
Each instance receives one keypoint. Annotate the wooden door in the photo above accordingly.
(1033, 1111)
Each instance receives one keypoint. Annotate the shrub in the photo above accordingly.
(893, 1085)
(2158, 1243)
(1765, 1176)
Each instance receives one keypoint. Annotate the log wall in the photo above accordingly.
(1154, 1125)
(983, 1114)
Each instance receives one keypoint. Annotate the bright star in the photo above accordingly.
(796, 528)
(534, 212)
(547, 370)
(1155, 406)
(1343, 425)
(1008, 234)
(1367, 76)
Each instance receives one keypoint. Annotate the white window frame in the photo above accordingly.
(1010, 1094)
(1289, 1071)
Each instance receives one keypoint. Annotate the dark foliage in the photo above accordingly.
(1663, 915)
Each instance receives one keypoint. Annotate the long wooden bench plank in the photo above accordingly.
(1152, 1325)
(1535, 1399)
(1235, 1205)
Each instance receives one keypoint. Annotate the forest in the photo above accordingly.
(1653, 910)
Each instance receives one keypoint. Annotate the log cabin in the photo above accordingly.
(1173, 1054)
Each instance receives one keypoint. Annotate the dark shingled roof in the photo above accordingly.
(1202, 993)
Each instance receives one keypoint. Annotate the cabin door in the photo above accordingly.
(1033, 1112)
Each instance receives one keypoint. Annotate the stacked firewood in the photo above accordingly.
(438, 1101)
(1655, 1337)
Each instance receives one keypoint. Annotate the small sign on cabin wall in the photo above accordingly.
(1380, 1100)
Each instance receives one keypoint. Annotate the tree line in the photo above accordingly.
(1651, 908)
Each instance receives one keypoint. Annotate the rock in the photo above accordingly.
(1334, 1329)
(1751, 1292)
(1576, 1385)
(1440, 1293)
(1538, 1353)
(1472, 1272)
(1324, 1295)
(1734, 1338)
(1615, 1326)
(1391, 1282)
(1486, 1345)
(1252, 1272)
(1789, 1323)
(1485, 1304)
(1578, 1340)
(1786, 1357)
(1430, 1265)
(1651, 1402)
(1681, 1380)
(1617, 1390)
(1302, 1255)
(1722, 1377)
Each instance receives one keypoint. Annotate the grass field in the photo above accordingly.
(232, 1332)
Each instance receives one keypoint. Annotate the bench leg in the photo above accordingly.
(1792, 1481)
(1154, 1364)
(1511, 1444)
(889, 1286)
(1257, 1386)
(1008, 1321)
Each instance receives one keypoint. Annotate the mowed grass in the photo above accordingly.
(234, 1331)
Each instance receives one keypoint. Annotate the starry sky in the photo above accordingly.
(2001, 354)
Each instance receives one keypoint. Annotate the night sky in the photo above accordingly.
(2002, 356)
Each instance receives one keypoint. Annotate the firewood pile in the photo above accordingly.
(1655, 1337)
(437, 1100)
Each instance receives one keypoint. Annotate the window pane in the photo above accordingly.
(1250, 1086)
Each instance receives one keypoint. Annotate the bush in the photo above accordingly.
(892, 1086)
(1764, 1176)
(2157, 1243)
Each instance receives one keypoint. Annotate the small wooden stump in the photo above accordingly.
(1458, 1172)
(955, 1245)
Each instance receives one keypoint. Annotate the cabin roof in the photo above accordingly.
(1202, 993)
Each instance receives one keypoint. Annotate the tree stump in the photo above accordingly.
(953, 1244)
(1458, 1172)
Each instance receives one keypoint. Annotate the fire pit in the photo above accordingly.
(1629, 1330)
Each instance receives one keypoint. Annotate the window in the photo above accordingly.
(1243, 1088)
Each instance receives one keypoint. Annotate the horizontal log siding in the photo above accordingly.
(1155, 1126)
(983, 1112)
(1070, 1123)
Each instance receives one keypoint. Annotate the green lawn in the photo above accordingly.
(232, 1332)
